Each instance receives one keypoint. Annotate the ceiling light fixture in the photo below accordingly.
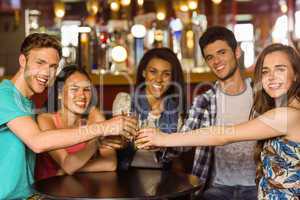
(184, 8)
(192, 4)
(59, 9)
(119, 54)
(92, 7)
(125, 2)
(216, 1)
(114, 6)
(161, 15)
(140, 2)
(138, 31)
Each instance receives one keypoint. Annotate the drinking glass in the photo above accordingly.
(130, 138)
(146, 123)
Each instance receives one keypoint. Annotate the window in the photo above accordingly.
(280, 30)
(244, 34)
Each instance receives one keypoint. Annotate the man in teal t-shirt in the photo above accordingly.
(17, 161)
(40, 54)
(20, 135)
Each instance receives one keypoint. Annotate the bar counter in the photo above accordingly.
(109, 85)
(129, 79)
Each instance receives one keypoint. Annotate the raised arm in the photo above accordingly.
(28, 131)
(277, 122)
(70, 163)
(121, 104)
(107, 159)
(106, 162)
(274, 123)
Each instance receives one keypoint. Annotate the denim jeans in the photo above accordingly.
(224, 192)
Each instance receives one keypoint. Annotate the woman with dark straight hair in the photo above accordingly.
(274, 122)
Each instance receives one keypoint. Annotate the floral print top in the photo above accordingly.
(281, 169)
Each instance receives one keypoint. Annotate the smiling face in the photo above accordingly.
(158, 76)
(77, 93)
(39, 68)
(221, 59)
(277, 74)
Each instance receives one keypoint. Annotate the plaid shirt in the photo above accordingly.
(202, 114)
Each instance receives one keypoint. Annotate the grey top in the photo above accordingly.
(234, 163)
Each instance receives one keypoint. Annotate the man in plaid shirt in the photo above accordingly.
(230, 169)
(202, 114)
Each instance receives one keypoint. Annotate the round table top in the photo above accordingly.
(131, 184)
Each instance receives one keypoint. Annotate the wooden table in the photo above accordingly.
(132, 184)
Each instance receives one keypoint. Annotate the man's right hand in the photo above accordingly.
(121, 125)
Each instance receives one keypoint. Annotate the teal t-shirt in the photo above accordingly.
(16, 160)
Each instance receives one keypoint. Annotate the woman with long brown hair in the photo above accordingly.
(274, 121)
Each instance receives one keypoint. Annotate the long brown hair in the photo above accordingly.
(262, 101)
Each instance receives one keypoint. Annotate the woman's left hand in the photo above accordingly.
(149, 138)
(113, 142)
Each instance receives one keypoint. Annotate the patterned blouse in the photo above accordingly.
(281, 169)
